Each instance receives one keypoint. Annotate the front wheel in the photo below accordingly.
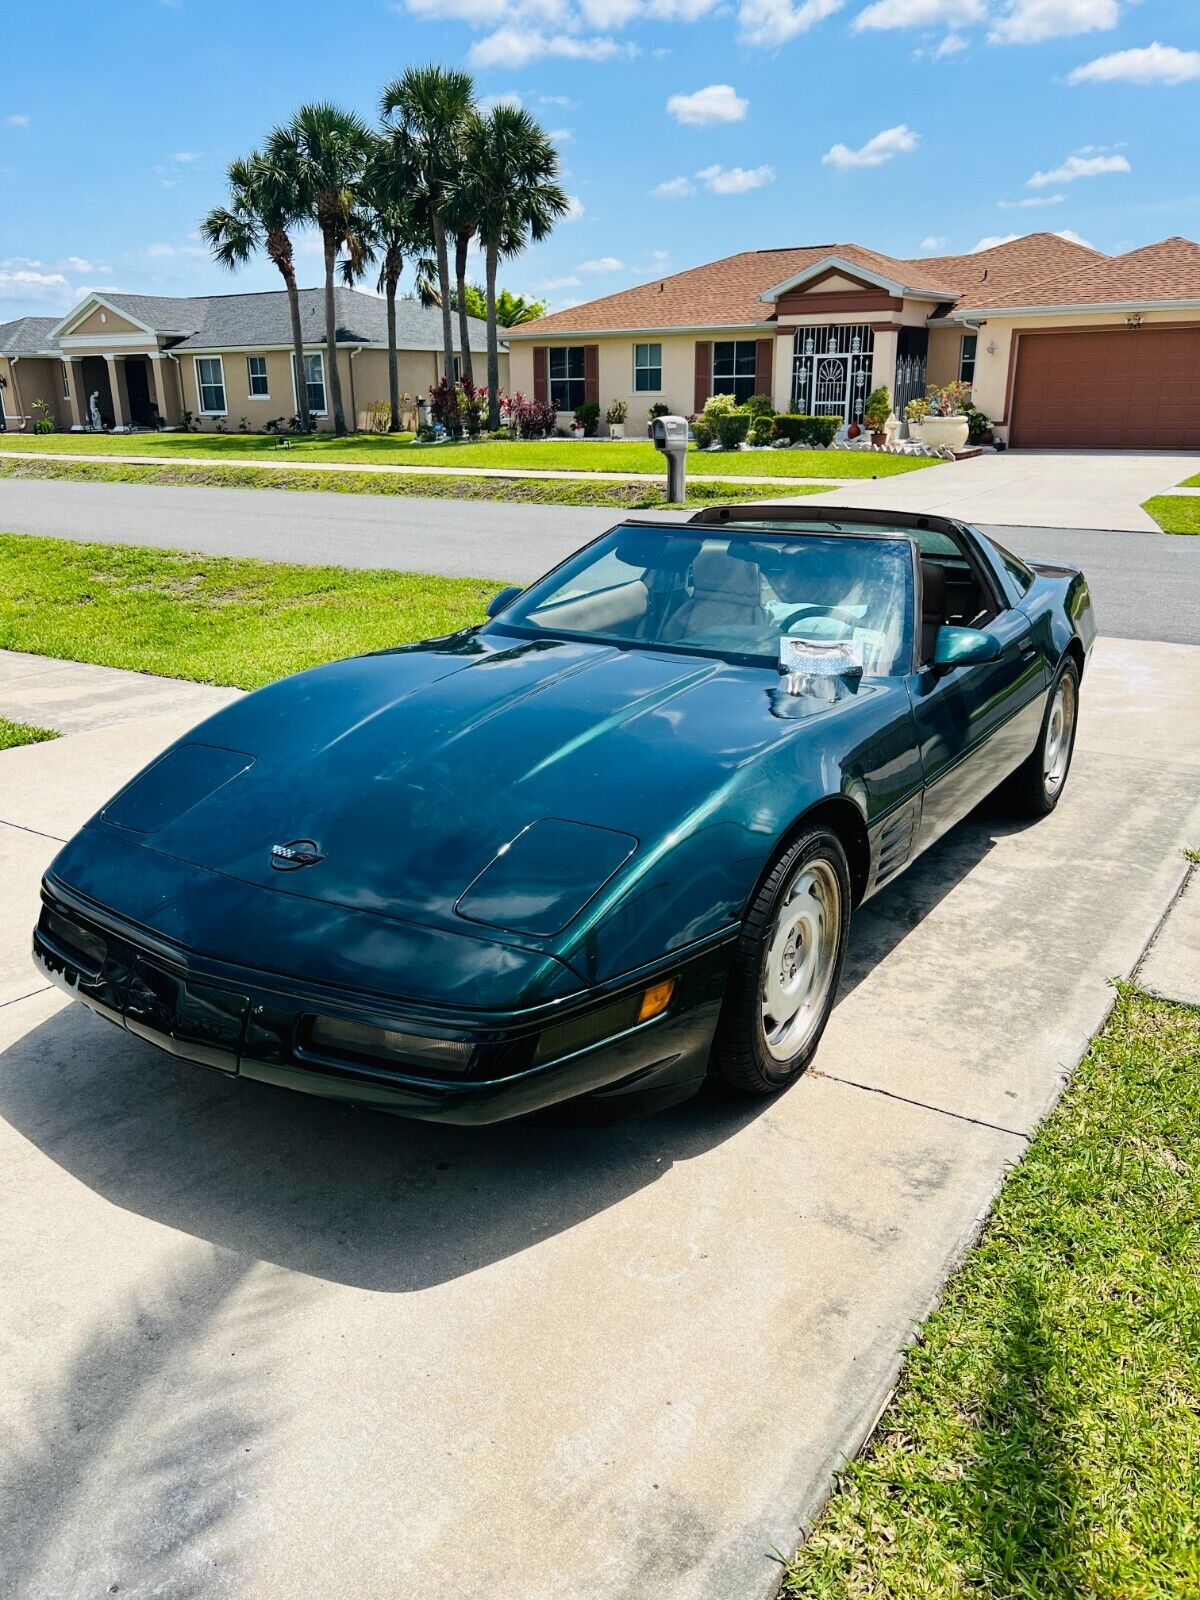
(1036, 787)
(785, 969)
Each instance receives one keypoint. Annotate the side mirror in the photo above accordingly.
(963, 647)
(505, 598)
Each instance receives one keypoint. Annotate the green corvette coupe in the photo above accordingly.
(607, 844)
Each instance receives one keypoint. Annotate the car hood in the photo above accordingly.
(397, 779)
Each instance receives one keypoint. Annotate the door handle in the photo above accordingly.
(1028, 649)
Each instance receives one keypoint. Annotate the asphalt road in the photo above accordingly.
(1145, 585)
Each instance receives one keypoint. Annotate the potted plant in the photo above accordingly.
(615, 417)
(945, 422)
(979, 428)
(876, 413)
(587, 417)
(658, 409)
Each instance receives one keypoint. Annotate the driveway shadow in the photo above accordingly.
(358, 1197)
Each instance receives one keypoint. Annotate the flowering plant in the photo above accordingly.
(948, 400)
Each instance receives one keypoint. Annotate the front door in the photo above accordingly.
(831, 370)
(977, 724)
(137, 386)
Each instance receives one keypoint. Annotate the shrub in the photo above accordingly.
(762, 429)
(948, 400)
(659, 409)
(719, 405)
(44, 422)
(704, 430)
(760, 405)
(444, 406)
(878, 409)
(977, 423)
(816, 433)
(530, 419)
(916, 411)
(379, 416)
(472, 407)
(587, 417)
(732, 429)
(617, 411)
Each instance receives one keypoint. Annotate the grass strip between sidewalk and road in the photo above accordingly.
(1044, 1441)
(1175, 513)
(560, 455)
(13, 734)
(620, 495)
(214, 619)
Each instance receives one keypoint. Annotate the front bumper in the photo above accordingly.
(253, 1025)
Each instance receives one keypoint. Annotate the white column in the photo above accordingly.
(781, 381)
(155, 358)
(74, 374)
(883, 363)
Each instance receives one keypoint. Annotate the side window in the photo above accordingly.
(647, 368)
(966, 358)
(969, 602)
(1020, 574)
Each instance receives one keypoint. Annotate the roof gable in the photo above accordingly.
(1156, 274)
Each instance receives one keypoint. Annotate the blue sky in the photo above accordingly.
(688, 128)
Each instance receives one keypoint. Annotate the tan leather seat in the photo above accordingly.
(726, 593)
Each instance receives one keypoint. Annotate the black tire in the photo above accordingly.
(741, 1056)
(1028, 792)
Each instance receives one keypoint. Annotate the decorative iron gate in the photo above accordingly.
(831, 370)
(910, 381)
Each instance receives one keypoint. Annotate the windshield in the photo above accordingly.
(729, 594)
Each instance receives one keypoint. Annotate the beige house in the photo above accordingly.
(143, 361)
(1062, 345)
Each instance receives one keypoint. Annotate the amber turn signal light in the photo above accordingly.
(655, 1001)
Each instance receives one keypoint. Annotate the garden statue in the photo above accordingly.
(94, 410)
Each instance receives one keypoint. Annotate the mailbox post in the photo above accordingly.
(670, 435)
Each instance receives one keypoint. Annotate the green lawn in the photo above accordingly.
(622, 495)
(585, 455)
(1044, 1443)
(14, 733)
(212, 619)
(1175, 513)
(1191, 483)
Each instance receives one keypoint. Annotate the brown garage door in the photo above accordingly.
(1111, 389)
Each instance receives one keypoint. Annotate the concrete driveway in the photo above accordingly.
(259, 1345)
(1035, 488)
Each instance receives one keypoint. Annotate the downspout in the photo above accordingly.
(353, 403)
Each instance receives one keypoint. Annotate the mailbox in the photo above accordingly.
(670, 435)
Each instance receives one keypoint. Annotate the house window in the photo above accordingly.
(314, 383)
(966, 358)
(735, 368)
(256, 372)
(66, 371)
(647, 368)
(566, 377)
(210, 382)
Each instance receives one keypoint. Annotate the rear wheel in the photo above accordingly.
(1037, 785)
(785, 969)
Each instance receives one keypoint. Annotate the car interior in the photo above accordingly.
(952, 591)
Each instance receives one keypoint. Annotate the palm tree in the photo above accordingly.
(463, 203)
(515, 167)
(425, 109)
(263, 206)
(328, 149)
(394, 226)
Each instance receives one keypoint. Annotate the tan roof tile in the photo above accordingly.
(1168, 270)
(725, 293)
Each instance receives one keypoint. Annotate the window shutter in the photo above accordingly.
(703, 373)
(591, 374)
(541, 382)
(763, 356)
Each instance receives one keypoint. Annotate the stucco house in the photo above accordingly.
(1063, 346)
(220, 357)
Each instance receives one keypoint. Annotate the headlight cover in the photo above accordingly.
(541, 880)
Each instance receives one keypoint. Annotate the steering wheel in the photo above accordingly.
(838, 613)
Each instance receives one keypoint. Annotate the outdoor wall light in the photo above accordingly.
(992, 347)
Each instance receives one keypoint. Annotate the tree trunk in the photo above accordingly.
(333, 378)
(443, 267)
(493, 342)
(393, 278)
(462, 241)
(279, 247)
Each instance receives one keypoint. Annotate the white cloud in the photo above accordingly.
(518, 46)
(489, 102)
(919, 14)
(1031, 21)
(85, 289)
(934, 241)
(559, 283)
(24, 279)
(18, 119)
(678, 10)
(659, 258)
(770, 23)
(1031, 201)
(717, 103)
(952, 45)
(603, 264)
(575, 209)
(1083, 164)
(674, 189)
(735, 180)
(159, 252)
(1156, 63)
(184, 157)
(1073, 237)
(992, 240)
(562, 101)
(883, 147)
(78, 264)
